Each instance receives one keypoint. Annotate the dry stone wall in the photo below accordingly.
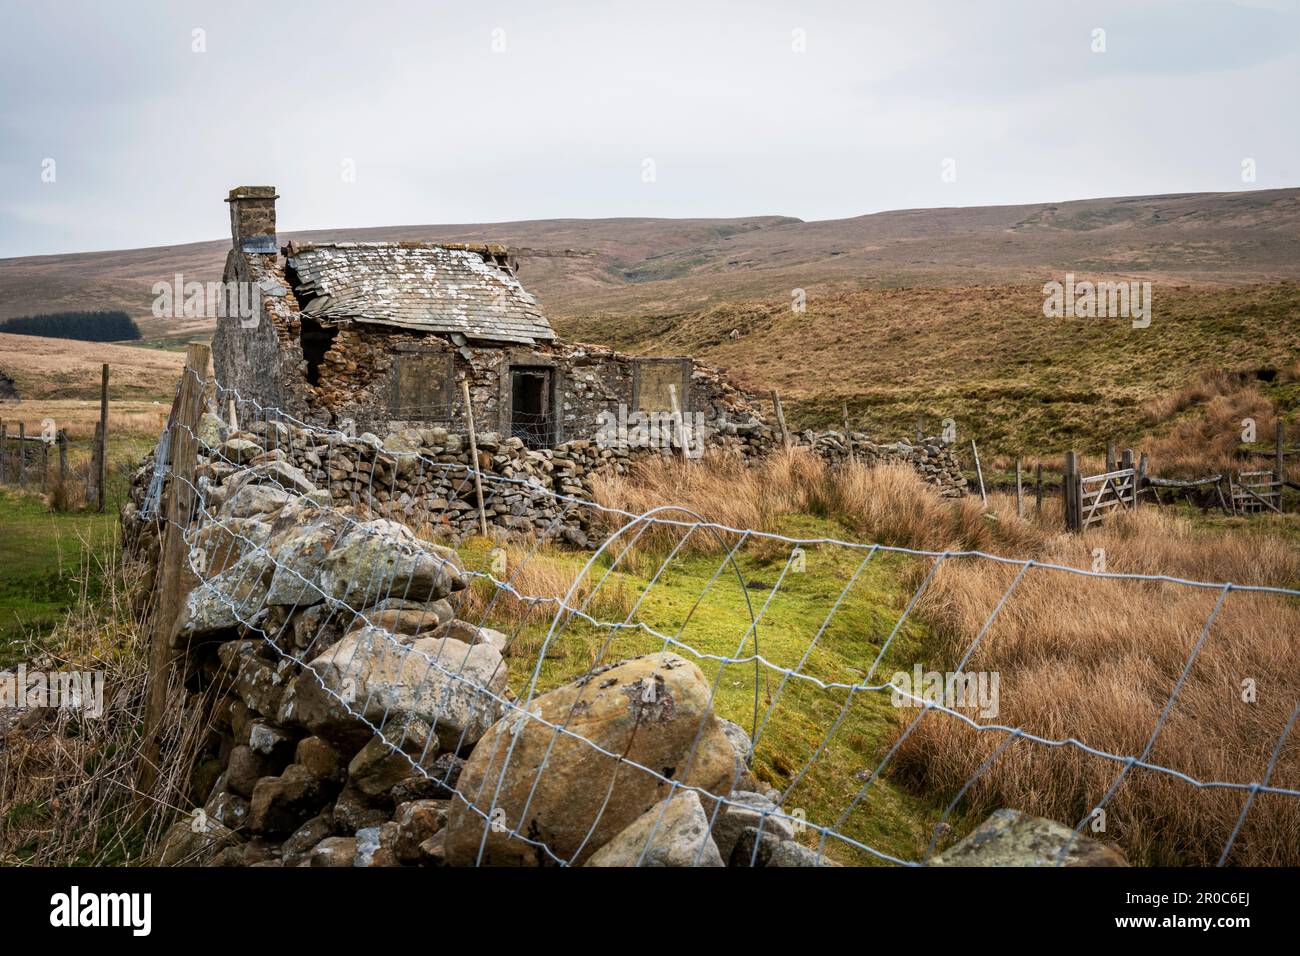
(423, 476)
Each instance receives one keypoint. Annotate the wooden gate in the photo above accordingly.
(1254, 491)
(1091, 499)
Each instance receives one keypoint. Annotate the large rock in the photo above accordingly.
(258, 682)
(282, 804)
(223, 544)
(299, 555)
(381, 559)
(409, 617)
(275, 473)
(194, 841)
(1012, 838)
(747, 810)
(443, 687)
(560, 790)
(230, 598)
(672, 833)
(239, 450)
(254, 501)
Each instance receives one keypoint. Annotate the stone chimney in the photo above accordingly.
(252, 218)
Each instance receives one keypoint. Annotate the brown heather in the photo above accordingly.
(1089, 658)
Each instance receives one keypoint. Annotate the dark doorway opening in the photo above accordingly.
(316, 340)
(530, 406)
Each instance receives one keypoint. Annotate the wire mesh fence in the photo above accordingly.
(813, 645)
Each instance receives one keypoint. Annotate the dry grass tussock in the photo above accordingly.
(1095, 659)
(536, 580)
(1203, 424)
(67, 779)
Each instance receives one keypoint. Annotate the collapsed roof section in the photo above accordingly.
(445, 289)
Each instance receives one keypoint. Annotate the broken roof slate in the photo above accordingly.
(416, 286)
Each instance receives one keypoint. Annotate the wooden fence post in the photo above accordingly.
(63, 459)
(848, 435)
(103, 438)
(45, 465)
(679, 424)
(173, 580)
(1279, 462)
(1126, 462)
(780, 419)
(1038, 489)
(1110, 456)
(1020, 507)
(92, 478)
(22, 454)
(979, 472)
(1071, 487)
(4, 452)
(473, 454)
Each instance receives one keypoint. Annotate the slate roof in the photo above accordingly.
(417, 286)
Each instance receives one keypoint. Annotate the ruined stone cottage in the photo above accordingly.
(382, 334)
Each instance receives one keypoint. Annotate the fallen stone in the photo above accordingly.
(335, 851)
(416, 822)
(747, 810)
(429, 686)
(672, 833)
(650, 709)
(381, 559)
(230, 598)
(282, 804)
(1012, 838)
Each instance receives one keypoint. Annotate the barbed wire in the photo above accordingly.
(629, 530)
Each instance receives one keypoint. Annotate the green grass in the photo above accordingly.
(889, 817)
(41, 556)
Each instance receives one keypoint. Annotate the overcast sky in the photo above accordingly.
(475, 112)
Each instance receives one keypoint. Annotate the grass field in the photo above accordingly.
(45, 556)
(983, 356)
(690, 602)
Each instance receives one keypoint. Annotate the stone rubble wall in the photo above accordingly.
(422, 476)
(933, 458)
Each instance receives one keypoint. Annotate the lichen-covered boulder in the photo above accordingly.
(414, 689)
(230, 598)
(1013, 838)
(573, 792)
(299, 556)
(382, 559)
(672, 833)
(252, 501)
(219, 545)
